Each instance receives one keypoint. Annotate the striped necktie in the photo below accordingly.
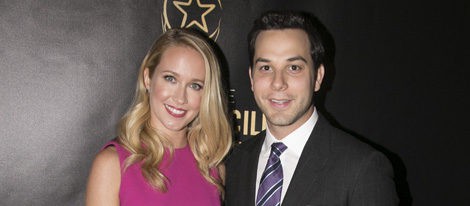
(270, 186)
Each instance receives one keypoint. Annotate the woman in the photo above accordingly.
(174, 136)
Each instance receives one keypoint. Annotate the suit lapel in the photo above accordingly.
(311, 163)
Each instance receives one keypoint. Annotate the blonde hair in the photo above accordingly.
(209, 134)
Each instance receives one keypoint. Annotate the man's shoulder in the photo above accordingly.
(250, 142)
(341, 138)
(346, 144)
(350, 152)
(350, 163)
(245, 147)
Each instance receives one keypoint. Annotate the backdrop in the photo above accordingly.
(398, 80)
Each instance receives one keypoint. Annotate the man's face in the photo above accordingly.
(283, 80)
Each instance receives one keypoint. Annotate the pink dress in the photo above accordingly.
(186, 184)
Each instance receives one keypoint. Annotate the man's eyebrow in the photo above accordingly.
(296, 58)
(262, 60)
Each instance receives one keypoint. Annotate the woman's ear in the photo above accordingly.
(146, 78)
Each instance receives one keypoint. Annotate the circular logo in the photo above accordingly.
(193, 14)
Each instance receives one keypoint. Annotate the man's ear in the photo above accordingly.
(319, 77)
(251, 77)
(146, 78)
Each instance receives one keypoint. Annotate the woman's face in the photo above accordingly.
(175, 89)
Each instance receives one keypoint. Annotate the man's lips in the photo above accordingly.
(280, 103)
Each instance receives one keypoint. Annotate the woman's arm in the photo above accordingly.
(104, 179)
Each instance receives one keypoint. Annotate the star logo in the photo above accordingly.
(207, 7)
(193, 14)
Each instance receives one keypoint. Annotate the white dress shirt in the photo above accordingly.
(295, 143)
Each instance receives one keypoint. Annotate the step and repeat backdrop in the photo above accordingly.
(397, 79)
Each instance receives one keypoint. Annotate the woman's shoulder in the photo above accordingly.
(114, 144)
(108, 154)
(104, 179)
(117, 149)
(107, 160)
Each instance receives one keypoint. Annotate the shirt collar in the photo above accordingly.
(296, 140)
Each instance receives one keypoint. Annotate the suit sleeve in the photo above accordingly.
(374, 183)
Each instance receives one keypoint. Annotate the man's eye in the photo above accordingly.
(295, 68)
(265, 68)
(195, 86)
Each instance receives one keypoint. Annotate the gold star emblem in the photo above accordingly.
(203, 25)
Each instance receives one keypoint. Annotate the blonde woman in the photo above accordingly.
(174, 136)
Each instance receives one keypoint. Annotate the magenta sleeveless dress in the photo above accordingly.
(186, 184)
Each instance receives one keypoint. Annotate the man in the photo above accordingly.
(300, 159)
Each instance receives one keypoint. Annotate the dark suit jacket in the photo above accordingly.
(334, 169)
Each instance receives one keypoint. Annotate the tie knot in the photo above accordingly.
(278, 148)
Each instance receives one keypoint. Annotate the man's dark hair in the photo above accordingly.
(278, 20)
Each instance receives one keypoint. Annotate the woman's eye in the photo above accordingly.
(196, 86)
(169, 78)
